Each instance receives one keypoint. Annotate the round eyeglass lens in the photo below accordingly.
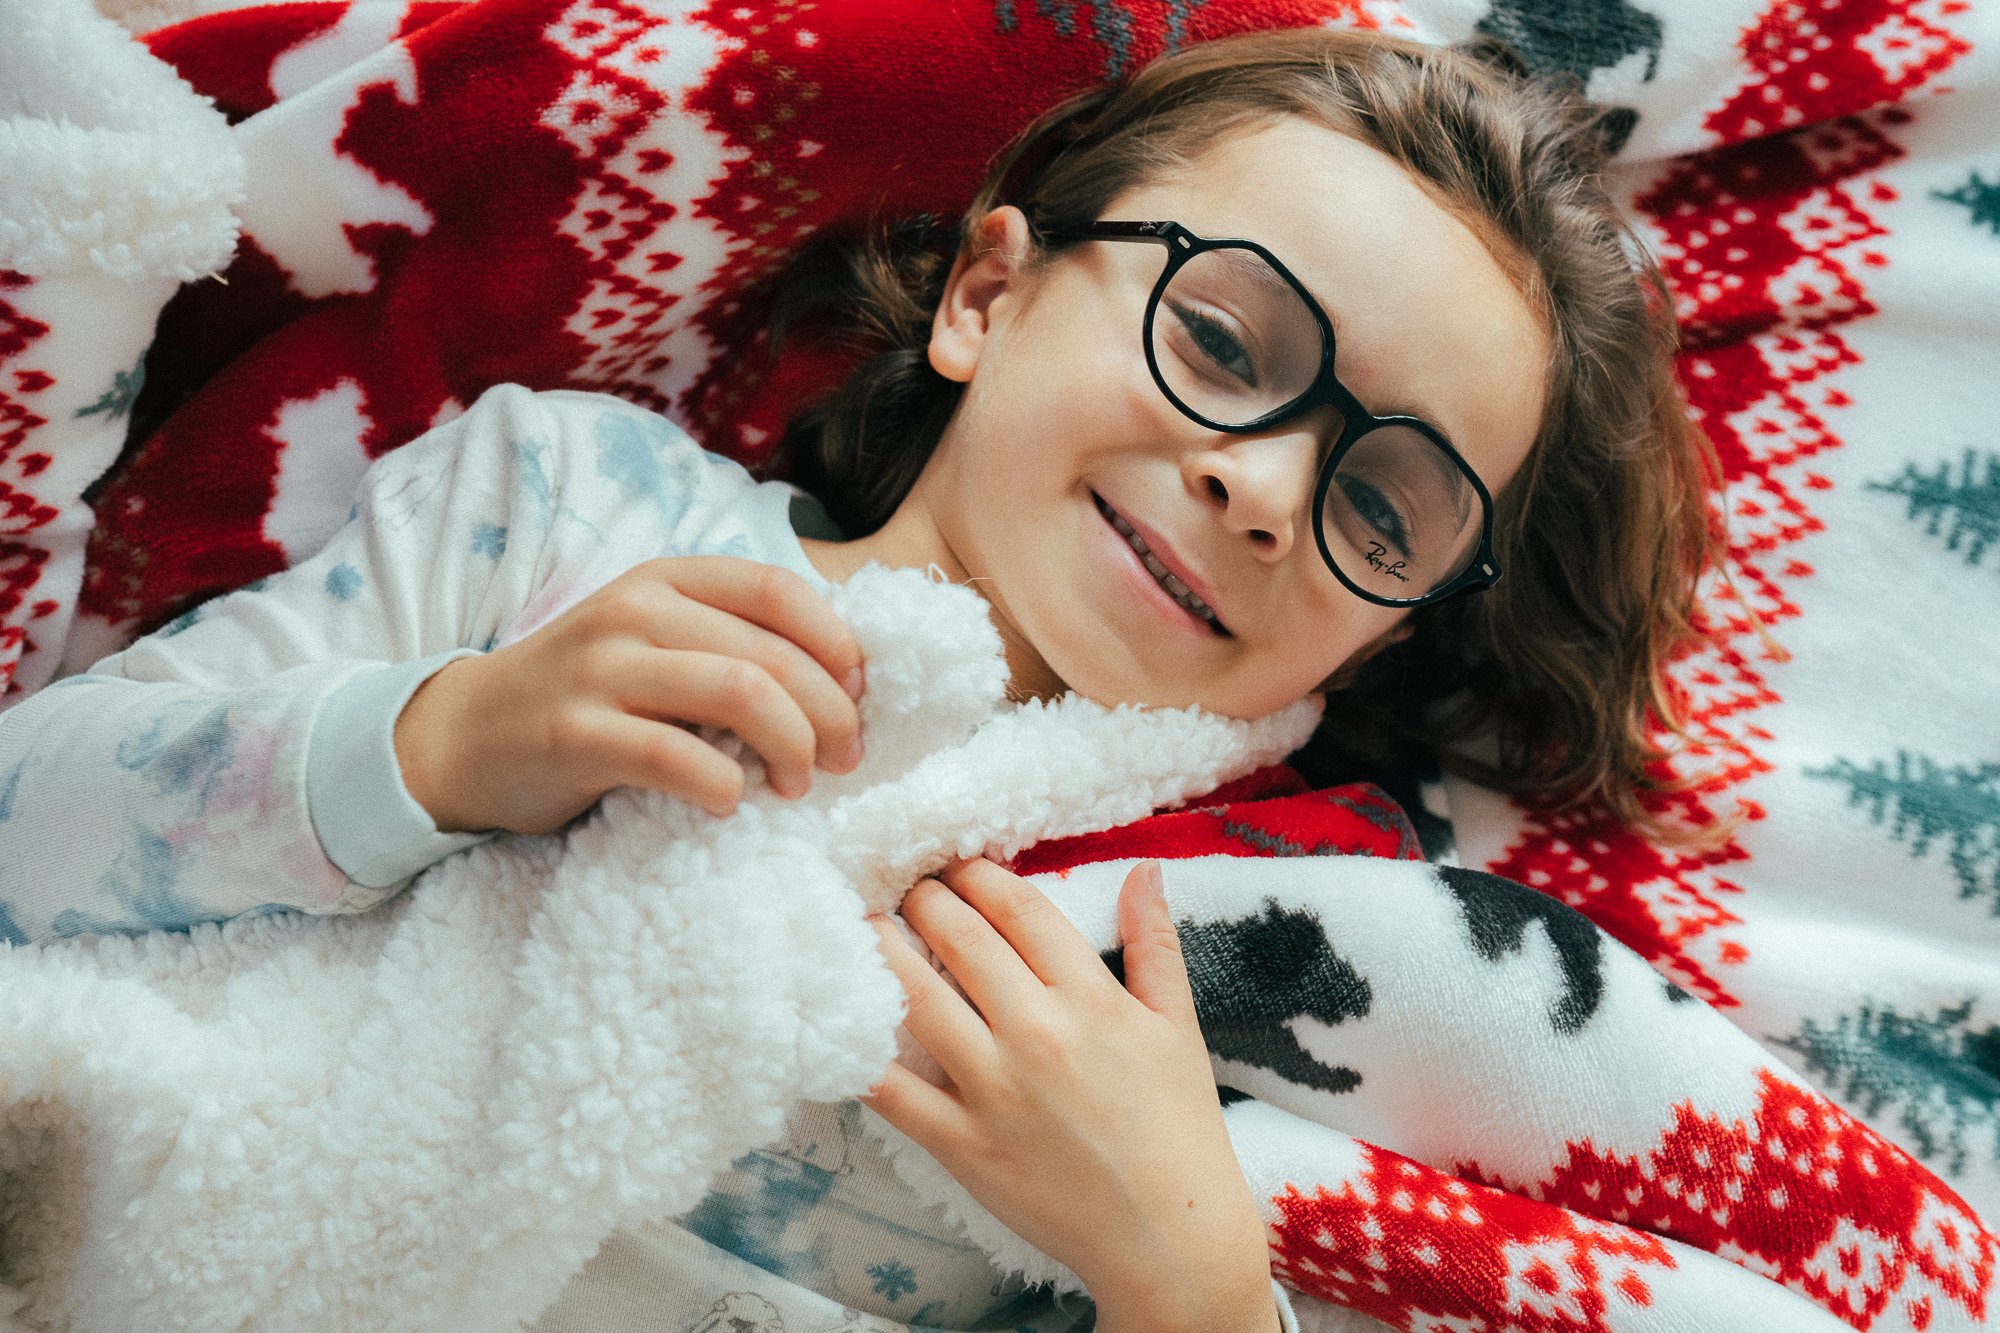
(1232, 339)
(1400, 516)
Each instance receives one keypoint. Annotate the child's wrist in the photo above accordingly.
(1225, 1293)
(1172, 1306)
(422, 739)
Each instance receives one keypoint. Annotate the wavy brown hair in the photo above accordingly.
(1600, 536)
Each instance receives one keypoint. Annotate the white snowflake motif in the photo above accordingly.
(1856, 1267)
(1901, 48)
(1542, 1279)
(1826, 220)
(589, 111)
(1947, 1242)
(587, 29)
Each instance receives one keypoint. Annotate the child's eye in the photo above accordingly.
(1215, 344)
(1376, 510)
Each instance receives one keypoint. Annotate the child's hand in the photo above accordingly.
(1081, 1114)
(526, 737)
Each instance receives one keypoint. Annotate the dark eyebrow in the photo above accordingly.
(1249, 262)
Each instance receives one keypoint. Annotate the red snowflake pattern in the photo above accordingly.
(1778, 1193)
(1422, 1250)
(1251, 817)
(1763, 243)
(21, 513)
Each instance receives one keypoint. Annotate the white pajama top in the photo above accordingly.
(240, 760)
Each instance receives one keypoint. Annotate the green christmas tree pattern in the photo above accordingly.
(117, 400)
(1926, 803)
(1941, 1075)
(1972, 502)
(1983, 199)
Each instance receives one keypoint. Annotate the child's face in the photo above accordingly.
(1061, 412)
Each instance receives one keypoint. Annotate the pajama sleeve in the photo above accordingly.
(239, 759)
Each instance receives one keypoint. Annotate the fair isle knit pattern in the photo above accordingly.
(1469, 1107)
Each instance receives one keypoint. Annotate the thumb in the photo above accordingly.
(1155, 972)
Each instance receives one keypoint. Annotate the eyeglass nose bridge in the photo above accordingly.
(1356, 424)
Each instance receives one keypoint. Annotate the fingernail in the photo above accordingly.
(854, 682)
(849, 757)
(1155, 881)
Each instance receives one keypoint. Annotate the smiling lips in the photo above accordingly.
(1162, 575)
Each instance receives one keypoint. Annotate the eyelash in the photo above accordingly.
(1195, 322)
(1401, 535)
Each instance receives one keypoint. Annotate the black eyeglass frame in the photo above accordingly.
(1482, 571)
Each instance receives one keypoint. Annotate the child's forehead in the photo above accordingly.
(1333, 208)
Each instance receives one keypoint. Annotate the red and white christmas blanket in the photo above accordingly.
(411, 201)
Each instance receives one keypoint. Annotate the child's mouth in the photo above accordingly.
(1171, 586)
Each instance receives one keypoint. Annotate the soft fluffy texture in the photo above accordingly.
(111, 161)
(429, 1117)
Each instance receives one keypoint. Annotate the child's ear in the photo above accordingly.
(994, 263)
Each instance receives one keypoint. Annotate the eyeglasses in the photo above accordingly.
(1400, 517)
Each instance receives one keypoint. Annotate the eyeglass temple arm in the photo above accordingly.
(1116, 231)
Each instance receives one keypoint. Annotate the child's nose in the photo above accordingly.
(1261, 485)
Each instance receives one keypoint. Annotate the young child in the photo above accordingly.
(1238, 378)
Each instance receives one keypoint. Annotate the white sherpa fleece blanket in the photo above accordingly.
(429, 1117)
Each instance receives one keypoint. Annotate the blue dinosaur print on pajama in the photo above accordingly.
(633, 452)
(344, 582)
(136, 751)
(189, 762)
(144, 879)
(747, 1224)
(197, 758)
(534, 479)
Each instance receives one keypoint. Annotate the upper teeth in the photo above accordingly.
(1175, 588)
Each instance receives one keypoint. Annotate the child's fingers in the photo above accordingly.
(731, 693)
(1053, 948)
(980, 959)
(639, 752)
(938, 1016)
(779, 600)
(1155, 971)
(685, 623)
(927, 1113)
